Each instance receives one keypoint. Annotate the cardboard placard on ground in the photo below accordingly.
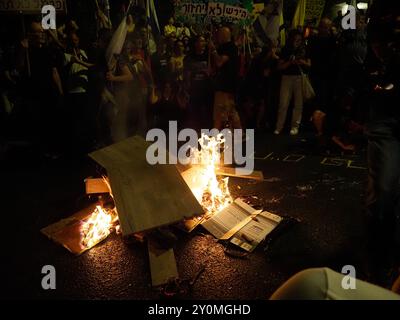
(146, 196)
(162, 265)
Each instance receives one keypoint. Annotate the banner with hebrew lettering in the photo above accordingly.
(218, 11)
(30, 6)
(267, 25)
(313, 12)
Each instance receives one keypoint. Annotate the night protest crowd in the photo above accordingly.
(180, 74)
(68, 99)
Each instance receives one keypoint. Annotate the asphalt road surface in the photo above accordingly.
(324, 192)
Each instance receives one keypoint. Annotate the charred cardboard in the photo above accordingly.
(66, 232)
(146, 196)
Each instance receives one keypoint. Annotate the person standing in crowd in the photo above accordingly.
(226, 62)
(292, 63)
(176, 61)
(383, 132)
(257, 92)
(167, 109)
(186, 42)
(349, 83)
(322, 48)
(176, 72)
(337, 22)
(170, 29)
(43, 88)
(132, 84)
(102, 109)
(80, 116)
(148, 44)
(197, 84)
(159, 64)
(182, 31)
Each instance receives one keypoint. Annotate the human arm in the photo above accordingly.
(57, 80)
(219, 60)
(125, 76)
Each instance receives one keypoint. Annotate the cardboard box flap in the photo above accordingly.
(146, 196)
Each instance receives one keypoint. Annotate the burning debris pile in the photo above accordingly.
(211, 191)
(140, 203)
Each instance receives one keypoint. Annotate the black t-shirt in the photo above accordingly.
(226, 79)
(42, 62)
(197, 75)
(353, 48)
(159, 64)
(197, 66)
(322, 51)
(289, 53)
(257, 81)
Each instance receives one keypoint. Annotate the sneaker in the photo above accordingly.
(294, 131)
(276, 132)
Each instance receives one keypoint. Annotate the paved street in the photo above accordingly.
(324, 192)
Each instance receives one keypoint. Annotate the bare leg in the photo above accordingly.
(318, 120)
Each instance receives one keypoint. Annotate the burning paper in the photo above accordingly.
(98, 226)
(211, 191)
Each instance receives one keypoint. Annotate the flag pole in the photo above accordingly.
(147, 28)
(129, 7)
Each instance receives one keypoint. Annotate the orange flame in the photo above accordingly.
(98, 226)
(212, 192)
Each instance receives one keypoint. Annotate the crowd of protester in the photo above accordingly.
(67, 97)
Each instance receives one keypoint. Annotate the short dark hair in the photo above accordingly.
(294, 33)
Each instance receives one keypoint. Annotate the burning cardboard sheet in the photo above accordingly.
(146, 196)
(84, 229)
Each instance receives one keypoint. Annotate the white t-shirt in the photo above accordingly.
(77, 73)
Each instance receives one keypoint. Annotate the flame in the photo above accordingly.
(212, 192)
(98, 226)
